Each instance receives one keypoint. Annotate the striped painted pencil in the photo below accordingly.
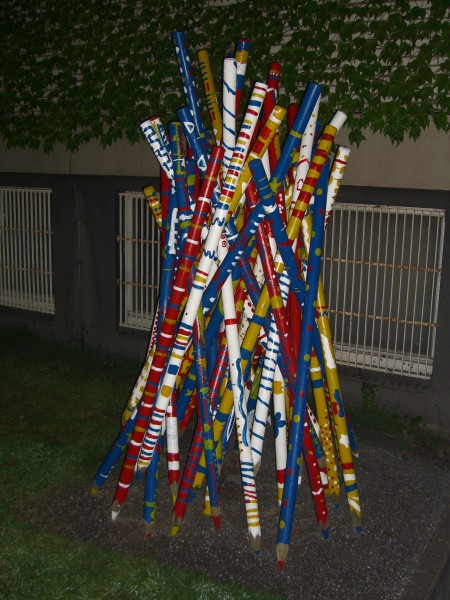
(302, 384)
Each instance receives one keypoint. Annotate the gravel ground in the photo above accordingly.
(403, 499)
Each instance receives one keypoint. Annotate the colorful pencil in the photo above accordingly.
(299, 410)
(210, 95)
(168, 328)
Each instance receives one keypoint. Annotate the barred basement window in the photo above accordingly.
(26, 273)
(381, 274)
(139, 262)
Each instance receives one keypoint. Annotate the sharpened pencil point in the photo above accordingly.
(356, 519)
(215, 513)
(174, 530)
(148, 529)
(255, 542)
(282, 552)
(177, 520)
(174, 492)
(334, 498)
(115, 510)
(324, 529)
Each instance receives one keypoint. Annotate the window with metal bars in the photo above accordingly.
(139, 262)
(381, 274)
(26, 272)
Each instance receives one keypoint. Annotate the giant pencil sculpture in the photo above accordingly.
(241, 340)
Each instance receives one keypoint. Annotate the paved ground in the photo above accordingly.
(431, 578)
(403, 545)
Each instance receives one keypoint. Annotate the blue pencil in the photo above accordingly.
(304, 363)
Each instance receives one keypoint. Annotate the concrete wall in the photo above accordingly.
(118, 159)
(423, 164)
(84, 225)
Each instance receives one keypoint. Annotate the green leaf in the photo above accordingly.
(93, 69)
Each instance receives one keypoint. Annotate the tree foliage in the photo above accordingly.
(93, 69)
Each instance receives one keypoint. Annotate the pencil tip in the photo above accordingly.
(177, 520)
(324, 528)
(174, 530)
(215, 513)
(255, 542)
(148, 529)
(282, 552)
(115, 510)
(334, 498)
(174, 491)
(94, 489)
(356, 519)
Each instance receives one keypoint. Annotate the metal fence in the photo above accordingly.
(139, 262)
(26, 273)
(381, 273)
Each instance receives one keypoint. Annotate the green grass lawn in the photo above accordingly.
(60, 411)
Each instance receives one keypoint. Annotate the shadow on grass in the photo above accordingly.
(61, 407)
